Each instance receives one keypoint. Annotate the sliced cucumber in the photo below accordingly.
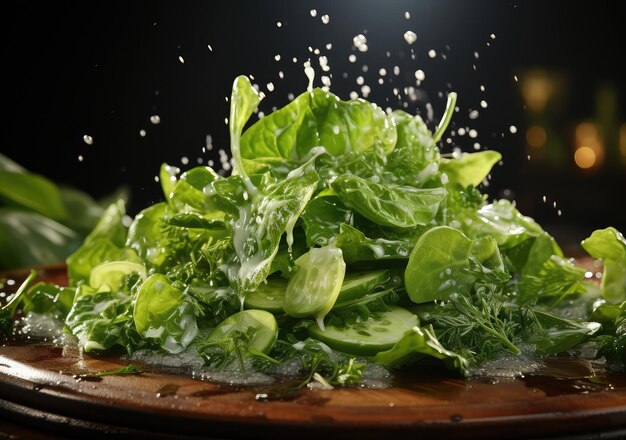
(313, 289)
(379, 332)
(258, 326)
(363, 287)
(269, 296)
(108, 277)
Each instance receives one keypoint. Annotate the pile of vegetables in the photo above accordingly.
(342, 239)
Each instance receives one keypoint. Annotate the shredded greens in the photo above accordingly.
(343, 239)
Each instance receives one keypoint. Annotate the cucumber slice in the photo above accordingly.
(108, 277)
(379, 332)
(363, 287)
(360, 283)
(313, 289)
(260, 326)
(269, 296)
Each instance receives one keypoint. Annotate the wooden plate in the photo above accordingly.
(44, 384)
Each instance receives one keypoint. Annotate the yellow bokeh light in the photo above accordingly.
(585, 157)
(537, 88)
(536, 136)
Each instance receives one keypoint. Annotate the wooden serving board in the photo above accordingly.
(49, 386)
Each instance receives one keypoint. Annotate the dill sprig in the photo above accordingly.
(482, 321)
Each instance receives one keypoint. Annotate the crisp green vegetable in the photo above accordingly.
(314, 288)
(609, 245)
(40, 222)
(342, 238)
(246, 332)
(433, 271)
(379, 332)
(164, 313)
(269, 296)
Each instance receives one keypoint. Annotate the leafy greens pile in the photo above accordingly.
(342, 238)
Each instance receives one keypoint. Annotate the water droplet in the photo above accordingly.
(184, 160)
(513, 129)
(407, 15)
(432, 53)
(277, 57)
(329, 46)
(279, 24)
(325, 19)
(473, 114)
(181, 59)
(483, 103)
(365, 91)
(155, 119)
(360, 42)
(493, 36)
(410, 37)
(420, 75)
(210, 48)
(352, 58)
(382, 72)
(473, 133)
(313, 12)
(80, 159)
(142, 133)
(270, 87)
(310, 74)
(87, 139)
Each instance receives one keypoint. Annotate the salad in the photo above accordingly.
(343, 239)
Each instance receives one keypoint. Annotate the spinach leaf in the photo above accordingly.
(357, 247)
(32, 192)
(28, 239)
(557, 335)
(187, 194)
(469, 168)
(416, 345)
(434, 268)
(190, 220)
(101, 320)
(386, 205)
(8, 310)
(415, 159)
(557, 278)
(257, 230)
(104, 243)
(243, 100)
(49, 299)
(83, 211)
(164, 313)
(322, 219)
(7, 164)
(502, 221)
(318, 118)
(609, 245)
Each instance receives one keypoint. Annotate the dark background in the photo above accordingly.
(103, 68)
